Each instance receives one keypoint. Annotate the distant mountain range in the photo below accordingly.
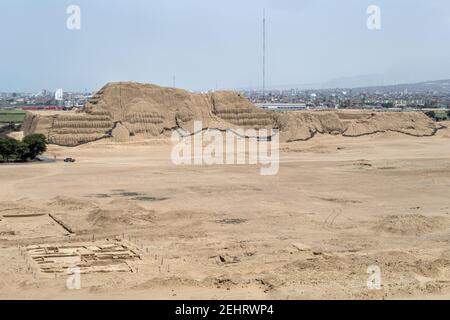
(371, 83)
(440, 86)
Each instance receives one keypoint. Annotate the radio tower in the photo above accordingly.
(264, 54)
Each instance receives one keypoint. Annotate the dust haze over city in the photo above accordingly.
(201, 43)
(224, 150)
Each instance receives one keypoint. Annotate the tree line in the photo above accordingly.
(27, 149)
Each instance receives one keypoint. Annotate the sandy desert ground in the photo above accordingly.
(337, 206)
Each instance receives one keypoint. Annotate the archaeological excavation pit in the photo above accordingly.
(28, 226)
(92, 257)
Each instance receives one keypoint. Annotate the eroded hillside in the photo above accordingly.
(132, 111)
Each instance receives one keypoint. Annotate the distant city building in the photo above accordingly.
(59, 95)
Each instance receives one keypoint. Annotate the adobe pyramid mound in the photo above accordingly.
(127, 111)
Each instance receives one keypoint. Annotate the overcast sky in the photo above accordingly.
(204, 42)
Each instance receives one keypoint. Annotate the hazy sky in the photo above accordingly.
(202, 42)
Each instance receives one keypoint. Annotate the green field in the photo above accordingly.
(7, 116)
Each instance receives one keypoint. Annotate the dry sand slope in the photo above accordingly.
(337, 206)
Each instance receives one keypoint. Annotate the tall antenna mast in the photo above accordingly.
(264, 54)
